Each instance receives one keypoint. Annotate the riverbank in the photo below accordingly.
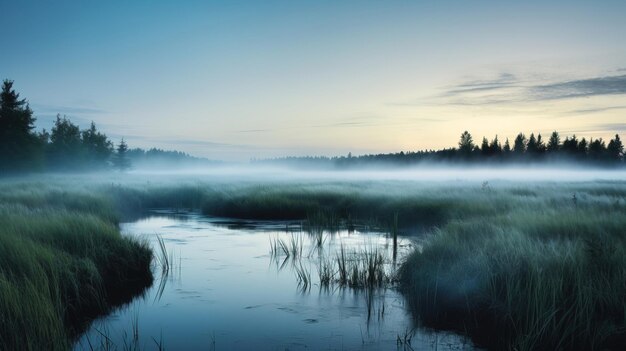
(63, 262)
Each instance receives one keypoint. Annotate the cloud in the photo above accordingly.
(509, 88)
(374, 121)
(69, 110)
(611, 127)
(599, 109)
(182, 141)
(504, 80)
(253, 130)
(611, 85)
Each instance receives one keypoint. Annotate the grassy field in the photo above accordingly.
(536, 265)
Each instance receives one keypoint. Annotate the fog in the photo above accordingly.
(437, 173)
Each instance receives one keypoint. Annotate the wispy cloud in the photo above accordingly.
(156, 140)
(611, 127)
(598, 109)
(254, 130)
(69, 110)
(509, 88)
(611, 85)
(504, 80)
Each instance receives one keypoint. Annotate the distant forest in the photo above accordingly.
(531, 149)
(66, 147)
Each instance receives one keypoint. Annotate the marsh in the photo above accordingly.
(541, 261)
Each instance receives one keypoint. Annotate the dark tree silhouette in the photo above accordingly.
(65, 149)
(532, 147)
(19, 146)
(485, 150)
(570, 145)
(519, 145)
(554, 144)
(97, 146)
(615, 148)
(597, 150)
(121, 161)
(583, 148)
(466, 144)
(507, 147)
(495, 147)
(541, 146)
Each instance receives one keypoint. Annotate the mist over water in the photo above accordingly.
(520, 173)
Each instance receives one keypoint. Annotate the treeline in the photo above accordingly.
(65, 147)
(531, 149)
(158, 158)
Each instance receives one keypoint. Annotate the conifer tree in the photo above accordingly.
(19, 146)
(484, 147)
(519, 145)
(121, 161)
(531, 146)
(615, 148)
(98, 148)
(506, 149)
(466, 144)
(495, 147)
(554, 144)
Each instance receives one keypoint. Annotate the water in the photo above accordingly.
(225, 291)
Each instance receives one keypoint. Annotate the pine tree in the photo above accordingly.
(582, 147)
(19, 146)
(570, 145)
(496, 148)
(485, 150)
(531, 146)
(66, 149)
(507, 147)
(519, 145)
(97, 146)
(615, 148)
(121, 160)
(597, 149)
(466, 144)
(541, 146)
(554, 144)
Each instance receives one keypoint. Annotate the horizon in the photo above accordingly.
(240, 81)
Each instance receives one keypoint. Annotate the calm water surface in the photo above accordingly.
(225, 291)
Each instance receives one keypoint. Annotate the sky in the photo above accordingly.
(236, 80)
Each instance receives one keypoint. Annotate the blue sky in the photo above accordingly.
(242, 79)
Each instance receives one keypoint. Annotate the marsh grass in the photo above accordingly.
(548, 275)
(367, 268)
(303, 276)
(290, 248)
(163, 258)
(62, 264)
(545, 271)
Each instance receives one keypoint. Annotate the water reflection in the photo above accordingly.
(228, 287)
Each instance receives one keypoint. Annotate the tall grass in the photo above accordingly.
(527, 261)
(547, 275)
(61, 264)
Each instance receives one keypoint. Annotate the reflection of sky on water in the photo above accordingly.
(225, 291)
